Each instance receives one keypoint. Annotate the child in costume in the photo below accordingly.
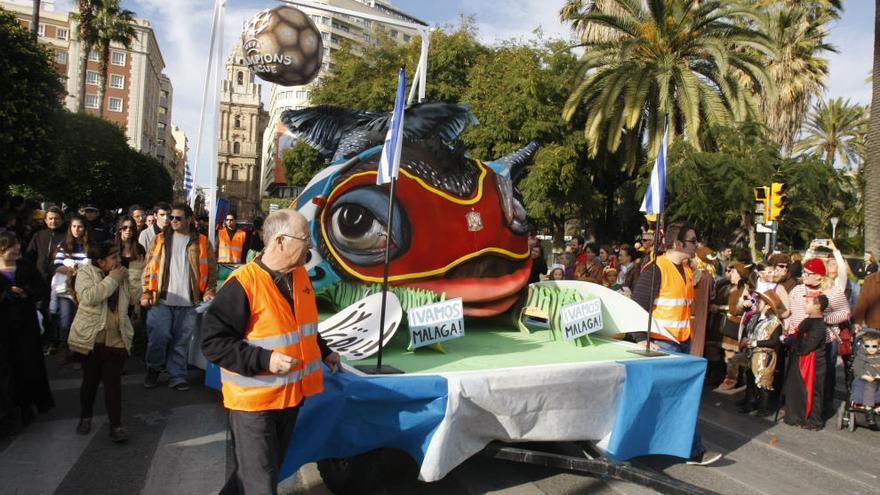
(806, 367)
(866, 369)
(761, 345)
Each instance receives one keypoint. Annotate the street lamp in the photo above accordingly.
(834, 221)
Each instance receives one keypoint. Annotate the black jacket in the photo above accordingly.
(41, 250)
(225, 322)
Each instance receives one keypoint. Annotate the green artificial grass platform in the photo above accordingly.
(491, 344)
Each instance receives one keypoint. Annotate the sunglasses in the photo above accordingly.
(176, 218)
(870, 346)
(126, 227)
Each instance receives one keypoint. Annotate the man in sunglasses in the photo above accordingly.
(181, 273)
(666, 289)
(781, 275)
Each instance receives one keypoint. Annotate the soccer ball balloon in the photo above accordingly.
(283, 46)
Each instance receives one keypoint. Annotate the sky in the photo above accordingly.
(183, 29)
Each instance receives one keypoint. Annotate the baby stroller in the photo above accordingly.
(852, 413)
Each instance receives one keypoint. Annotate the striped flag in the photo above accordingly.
(389, 163)
(187, 182)
(654, 196)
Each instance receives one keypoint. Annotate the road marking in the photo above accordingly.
(38, 460)
(191, 457)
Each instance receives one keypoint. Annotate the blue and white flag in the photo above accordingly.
(389, 163)
(653, 201)
(187, 182)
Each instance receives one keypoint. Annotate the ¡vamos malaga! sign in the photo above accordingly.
(581, 318)
(435, 323)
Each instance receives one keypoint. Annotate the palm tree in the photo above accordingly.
(798, 69)
(112, 25)
(85, 16)
(872, 164)
(573, 11)
(691, 61)
(835, 130)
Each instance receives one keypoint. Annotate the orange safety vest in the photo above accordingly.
(274, 326)
(230, 250)
(153, 266)
(672, 306)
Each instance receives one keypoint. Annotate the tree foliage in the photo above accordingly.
(714, 189)
(835, 130)
(95, 164)
(30, 105)
(695, 63)
(301, 162)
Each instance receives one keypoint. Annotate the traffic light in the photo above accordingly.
(762, 205)
(778, 200)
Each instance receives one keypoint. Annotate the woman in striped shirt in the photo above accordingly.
(70, 253)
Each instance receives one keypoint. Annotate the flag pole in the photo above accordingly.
(392, 160)
(654, 203)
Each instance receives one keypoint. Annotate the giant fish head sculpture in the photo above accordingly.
(458, 224)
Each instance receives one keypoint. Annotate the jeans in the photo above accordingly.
(864, 392)
(697, 448)
(830, 378)
(66, 311)
(169, 329)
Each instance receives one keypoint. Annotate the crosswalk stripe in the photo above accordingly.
(191, 457)
(28, 466)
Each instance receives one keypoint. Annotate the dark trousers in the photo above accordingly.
(260, 440)
(103, 365)
(830, 377)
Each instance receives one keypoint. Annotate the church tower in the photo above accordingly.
(242, 122)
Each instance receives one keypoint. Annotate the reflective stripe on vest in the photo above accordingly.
(275, 326)
(271, 380)
(230, 250)
(672, 306)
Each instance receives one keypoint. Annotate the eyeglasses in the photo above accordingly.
(306, 238)
(126, 227)
(176, 218)
(870, 346)
(782, 266)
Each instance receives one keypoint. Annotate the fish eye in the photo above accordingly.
(358, 226)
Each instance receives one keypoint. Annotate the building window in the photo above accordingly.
(235, 172)
(240, 78)
(117, 81)
(406, 38)
(92, 77)
(93, 56)
(91, 101)
(325, 37)
(115, 104)
(236, 148)
(61, 33)
(163, 110)
(238, 121)
(393, 33)
(302, 95)
(163, 93)
(41, 30)
(117, 58)
(61, 58)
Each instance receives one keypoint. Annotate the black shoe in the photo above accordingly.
(870, 420)
(118, 434)
(152, 379)
(181, 387)
(84, 426)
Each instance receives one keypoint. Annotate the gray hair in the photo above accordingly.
(276, 223)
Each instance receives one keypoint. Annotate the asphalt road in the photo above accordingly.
(179, 446)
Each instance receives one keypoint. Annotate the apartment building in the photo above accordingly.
(335, 29)
(133, 97)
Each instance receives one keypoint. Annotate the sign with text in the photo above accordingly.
(581, 318)
(437, 322)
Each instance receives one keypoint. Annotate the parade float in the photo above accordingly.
(430, 279)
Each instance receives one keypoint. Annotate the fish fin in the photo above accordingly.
(426, 120)
(323, 127)
(515, 163)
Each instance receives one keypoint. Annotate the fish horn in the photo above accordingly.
(514, 164)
